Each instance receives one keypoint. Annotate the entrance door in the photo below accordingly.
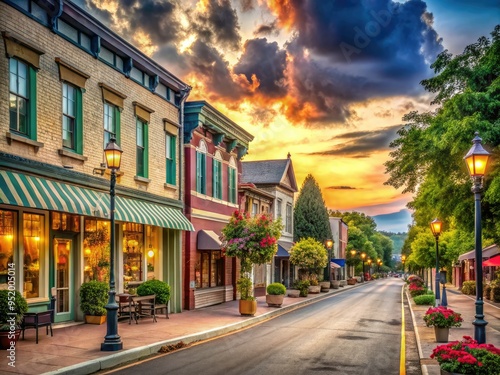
(63, 277)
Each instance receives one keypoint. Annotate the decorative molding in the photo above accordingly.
(71, 74)
(142, 111)
(142, 180)
(18, 47)
(111, 95)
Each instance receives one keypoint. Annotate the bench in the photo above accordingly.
(36, 320)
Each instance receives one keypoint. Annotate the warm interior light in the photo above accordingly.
(436, 227)
(329, 243)
(113, 154)
(87, 251)
(151, 253)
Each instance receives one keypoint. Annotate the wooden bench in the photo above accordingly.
(38, 319)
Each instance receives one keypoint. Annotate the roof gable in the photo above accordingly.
(270, 172)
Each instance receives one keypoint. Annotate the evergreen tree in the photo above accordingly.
(310, 213)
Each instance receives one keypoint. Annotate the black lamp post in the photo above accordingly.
(363, 256)
(112, 340)
(328, 271)
(477, 160)
(353, 254)
(369, 269)
(436, 227)
(403, 259)
(379, 263)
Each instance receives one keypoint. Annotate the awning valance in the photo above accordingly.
(283, 249)
(29, 191)
(340, 262)
(208, 240)
(334, 265)
(492, 262)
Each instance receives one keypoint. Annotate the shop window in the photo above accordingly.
(6, 246)
(96, 250)
(209, 269)
(65, 222)
(133, 240)
(152, 246)
(32, 231)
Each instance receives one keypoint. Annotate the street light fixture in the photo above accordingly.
(363, 256)
(328, 270)
(403, 259)
(353, 254)
(112, 340)
(436, 227)
(369, 268)
(477, 160)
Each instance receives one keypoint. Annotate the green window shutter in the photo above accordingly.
(32, 133)
(171, 166)
(204, 174)
(79, 122)
(117, 114)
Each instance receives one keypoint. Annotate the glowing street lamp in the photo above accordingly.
(112, 340)
(436, 227)
(363, 256)
(328, 270)
(477, 159)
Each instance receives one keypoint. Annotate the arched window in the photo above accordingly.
(232, 180)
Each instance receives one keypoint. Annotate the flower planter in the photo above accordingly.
(274, 300)
(248, 307)
(94, 319)
(314, 289)
(444, 372)
(6, 337)
(293, 293)
(325, 286)
(441, 334)
(343, 283)
(351, 281)
(335, 284)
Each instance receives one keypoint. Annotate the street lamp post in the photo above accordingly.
(403, 259)
(328, 271)
(369, 269)
(363, 256)
(353, 254)
(477, 160)
(436, 227)
(112, 340)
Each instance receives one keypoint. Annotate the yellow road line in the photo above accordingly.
(402, 360)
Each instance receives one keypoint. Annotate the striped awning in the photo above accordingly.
(29, 191)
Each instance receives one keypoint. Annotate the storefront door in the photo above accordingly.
(63, 278)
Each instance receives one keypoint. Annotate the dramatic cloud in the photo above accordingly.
(267, 29)
(340, 188)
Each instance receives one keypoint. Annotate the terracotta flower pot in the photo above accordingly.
(93, 319)
(248, 307)
(274, 300)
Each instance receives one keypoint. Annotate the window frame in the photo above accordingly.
(170, 158)
(30, 99)
(288, 223)
(115, 110)
(232, 184)
(77, 138)
(217, 176)
(142, 126)
(201, 168)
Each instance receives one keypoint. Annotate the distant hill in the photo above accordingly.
(396, 222)
(398, 239)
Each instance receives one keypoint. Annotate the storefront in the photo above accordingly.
(55, 235)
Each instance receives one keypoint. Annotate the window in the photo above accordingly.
(73, 34)
(142, 148)
(22, 100)
(201, 160)
(208, 269)
(111, 123)
(255, 209)
(288, 225)
(32, 243)
(217, 176)
(231, 175)
(96, 250)
(170, 142)
(7, 221)
(133, 252)
(72, 126)
(279, 208)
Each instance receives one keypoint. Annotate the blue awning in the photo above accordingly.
(283, 248)
(340, 262)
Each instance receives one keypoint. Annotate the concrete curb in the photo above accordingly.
(131, 355)
(423, 367)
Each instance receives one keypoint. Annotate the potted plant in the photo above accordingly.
(93, 299)
(275, 294)
(311, 257)
(11, 302)
(252, 241)
(467, 357)
(302, 286)
(442, 319)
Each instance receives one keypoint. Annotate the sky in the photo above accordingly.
(327, 81)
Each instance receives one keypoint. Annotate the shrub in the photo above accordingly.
(425, 299)
(93, 297)
(19, 307)
(276, 289)
(416, 290)
(487, 291)
(414, 279)
(469, 287)
(159, 288)
(428, 291)
(303, 286)
(495, 291)
(310, 256)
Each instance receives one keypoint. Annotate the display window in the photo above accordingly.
(209, 269)
(96, 245)
(133, 253)
(33, 225)
(6, 246)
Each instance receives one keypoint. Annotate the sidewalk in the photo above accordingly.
(464, 305)
(75, 349)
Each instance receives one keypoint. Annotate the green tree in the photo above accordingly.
(311, 257)
(427, 157)
(310, 214)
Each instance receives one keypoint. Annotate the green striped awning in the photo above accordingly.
(136, 211)
(29, 191)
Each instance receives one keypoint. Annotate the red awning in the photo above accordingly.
(492, 262)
